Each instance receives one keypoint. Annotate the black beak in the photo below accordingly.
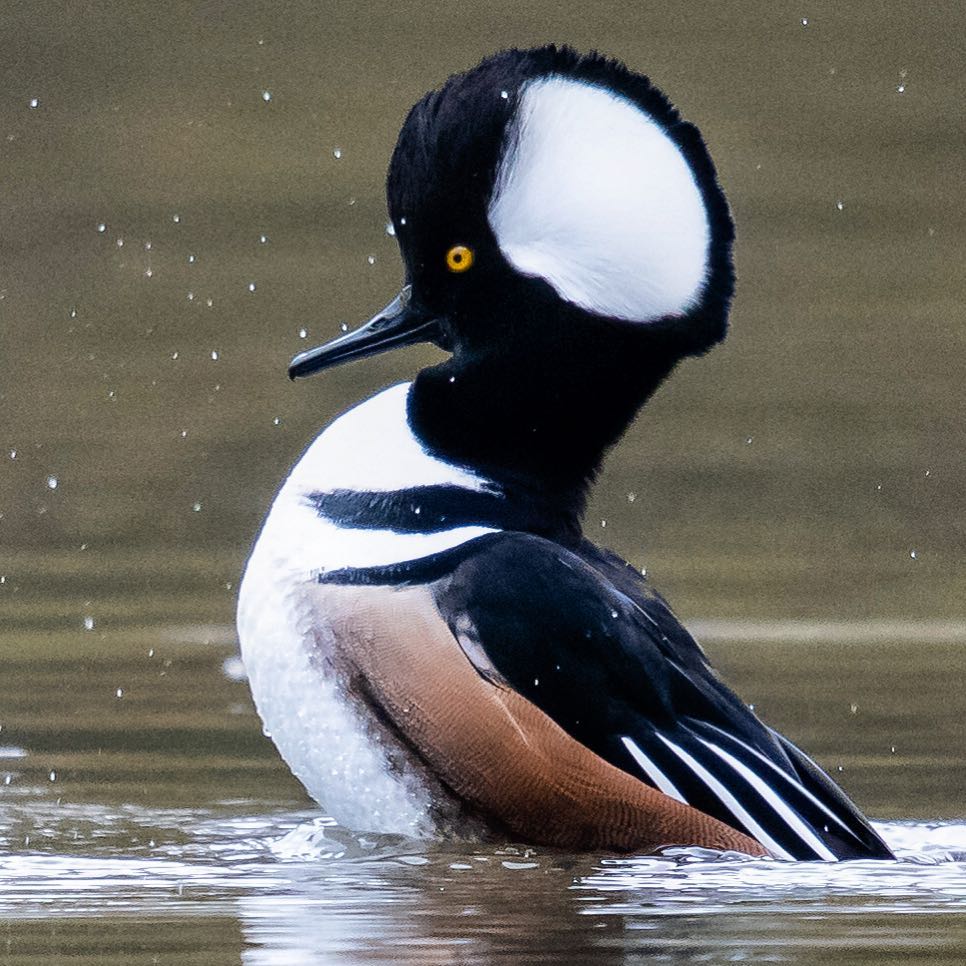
(399, 323)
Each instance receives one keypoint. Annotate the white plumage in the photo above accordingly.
(595, 198)
(308, 714)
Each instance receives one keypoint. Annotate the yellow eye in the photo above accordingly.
(459, 258)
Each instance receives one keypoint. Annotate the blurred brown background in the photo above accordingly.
(159, 161)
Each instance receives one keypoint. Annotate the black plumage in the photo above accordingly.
(534, 393)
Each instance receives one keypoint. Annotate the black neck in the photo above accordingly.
(539, 422)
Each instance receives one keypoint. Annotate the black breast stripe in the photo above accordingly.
(433, 509)
(422, 570)
(418, 509)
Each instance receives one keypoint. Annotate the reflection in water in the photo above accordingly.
(479, 907)
(304, 890)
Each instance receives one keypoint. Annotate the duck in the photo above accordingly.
(432, 643)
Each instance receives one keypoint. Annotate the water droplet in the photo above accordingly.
(214, 355)
(35, 102)
(603, 524)
(840, 204)
(344, 326)
(176, 219)
(120, 243)
(149, 273)
(147, 246)
(928, 472)
(643, 571)
(302, 333)
(191, 296)
(150, 652)
(196, 507)
(536, 682)
(263, 239)
(13, 454)
(371, 259)
(88, 623)
(101, 227)
(251, 286)
(390, 229)
(53, 778)
(119, 693)
(276, 421)
(402, 221)
(892, 748)
(266, 96)
(191, 259)
(804, 21)
(52, 482)
(914, 554)
(174, 355)
(901, 89)
(209, 302)
(504, 94)
(613, 613)
(452, 378)
(749, 440)
(631, 497)
(853, 708)
(337, 153)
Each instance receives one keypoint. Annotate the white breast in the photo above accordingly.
(321, 736)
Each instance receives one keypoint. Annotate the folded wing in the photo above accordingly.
(580, 634)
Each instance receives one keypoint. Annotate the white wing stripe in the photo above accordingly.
(790, 779)
(652, 771)
(729, 801)
(780, 806)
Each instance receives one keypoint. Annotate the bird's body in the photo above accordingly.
(431, 642)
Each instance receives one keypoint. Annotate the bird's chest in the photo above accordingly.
(310, 708)
(296, 637)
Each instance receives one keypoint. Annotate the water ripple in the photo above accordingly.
(82, 859)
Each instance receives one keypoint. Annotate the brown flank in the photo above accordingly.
(490, 746)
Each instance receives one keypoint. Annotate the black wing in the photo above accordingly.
(581, 635)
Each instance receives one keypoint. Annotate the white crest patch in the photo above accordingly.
(595, 198)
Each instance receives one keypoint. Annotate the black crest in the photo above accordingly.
(445, 164)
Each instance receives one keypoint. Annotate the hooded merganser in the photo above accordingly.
(431, 642)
